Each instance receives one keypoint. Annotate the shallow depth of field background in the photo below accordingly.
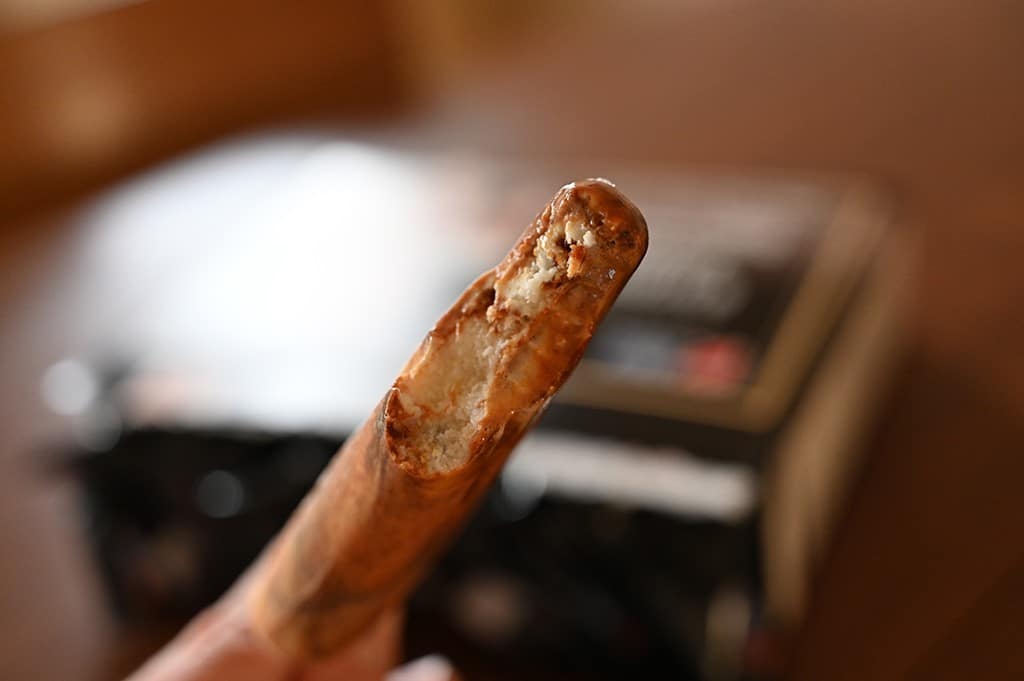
(925, 575)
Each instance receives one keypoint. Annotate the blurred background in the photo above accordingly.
(794, 451)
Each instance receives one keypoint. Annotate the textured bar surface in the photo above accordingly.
(407, 480)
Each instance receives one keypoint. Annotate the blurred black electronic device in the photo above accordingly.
(534, 585)
(673, 503)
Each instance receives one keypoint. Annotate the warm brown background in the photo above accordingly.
(926, 577)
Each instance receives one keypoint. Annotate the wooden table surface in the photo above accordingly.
(926, 577)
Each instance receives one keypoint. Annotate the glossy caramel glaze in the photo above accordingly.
(379, 514)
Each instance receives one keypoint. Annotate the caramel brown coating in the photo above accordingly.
(393, 497)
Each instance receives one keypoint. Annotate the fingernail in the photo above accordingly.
(429, 668)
